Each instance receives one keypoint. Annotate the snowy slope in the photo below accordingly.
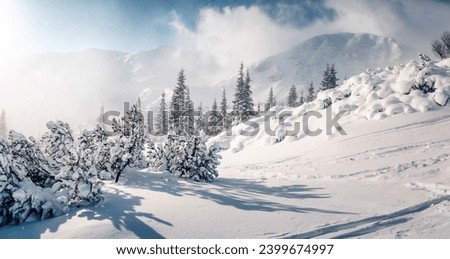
(69, 86)
(372, 95)
(305, 63)
(386, 179)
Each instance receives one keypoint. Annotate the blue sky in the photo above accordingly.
(28, 26)
(65, 25)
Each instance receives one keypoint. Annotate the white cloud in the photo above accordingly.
(231, 35)
(412, 23)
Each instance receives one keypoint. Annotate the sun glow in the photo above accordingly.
(14, 40)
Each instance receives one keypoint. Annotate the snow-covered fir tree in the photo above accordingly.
(162, 119)
(214, 123)
(188, 116)
(249, 110)
(271, 102)
(199, 123)
(178, 104)
(201, 161)
(292, 97)
(329, 80)
(311, 93)
(3, 127)
(243, 102)
(224, 111)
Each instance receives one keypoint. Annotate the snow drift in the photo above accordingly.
(418, 86)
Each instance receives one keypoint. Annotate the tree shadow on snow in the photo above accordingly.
(243, 194)
(34, 229)
(119, 210)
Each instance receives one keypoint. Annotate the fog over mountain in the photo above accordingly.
(73, 86)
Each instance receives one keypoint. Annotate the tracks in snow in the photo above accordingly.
(367, 225)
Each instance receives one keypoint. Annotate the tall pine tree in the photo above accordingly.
(249, 111)
(311, 93)
(270, 100)
(292, 97)
(178, 105)
(215, 121)
(162, 120)
(333, 77)
(188, 116)
(199, 124)
(224, 110)
(329, 80)
(243, 101)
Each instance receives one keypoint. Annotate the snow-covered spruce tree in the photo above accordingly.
(333, 77)
(214, 122)
(243, 102)
(311, 93)
(74, 185)
(162, 120)
(238, 101)
(249, 111)
(199, 124)
(189, 158)
(325, 79)
(178, 104)
(127, 148)
(292, 97)
(200, 161)
(329, 80)
(271, 102)
(188, 115)
(3, 128)
(224, 111)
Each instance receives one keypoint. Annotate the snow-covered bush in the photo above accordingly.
(127, 147)
(188, 157)
(20, 197)
(76, 177)
(27, 156)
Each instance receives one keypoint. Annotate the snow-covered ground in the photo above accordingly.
(385, 179)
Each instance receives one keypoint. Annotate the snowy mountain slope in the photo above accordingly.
(305, 63)
(386, 179)
(69, 86)
(372, 95)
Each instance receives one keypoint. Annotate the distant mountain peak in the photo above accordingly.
(304, 63)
